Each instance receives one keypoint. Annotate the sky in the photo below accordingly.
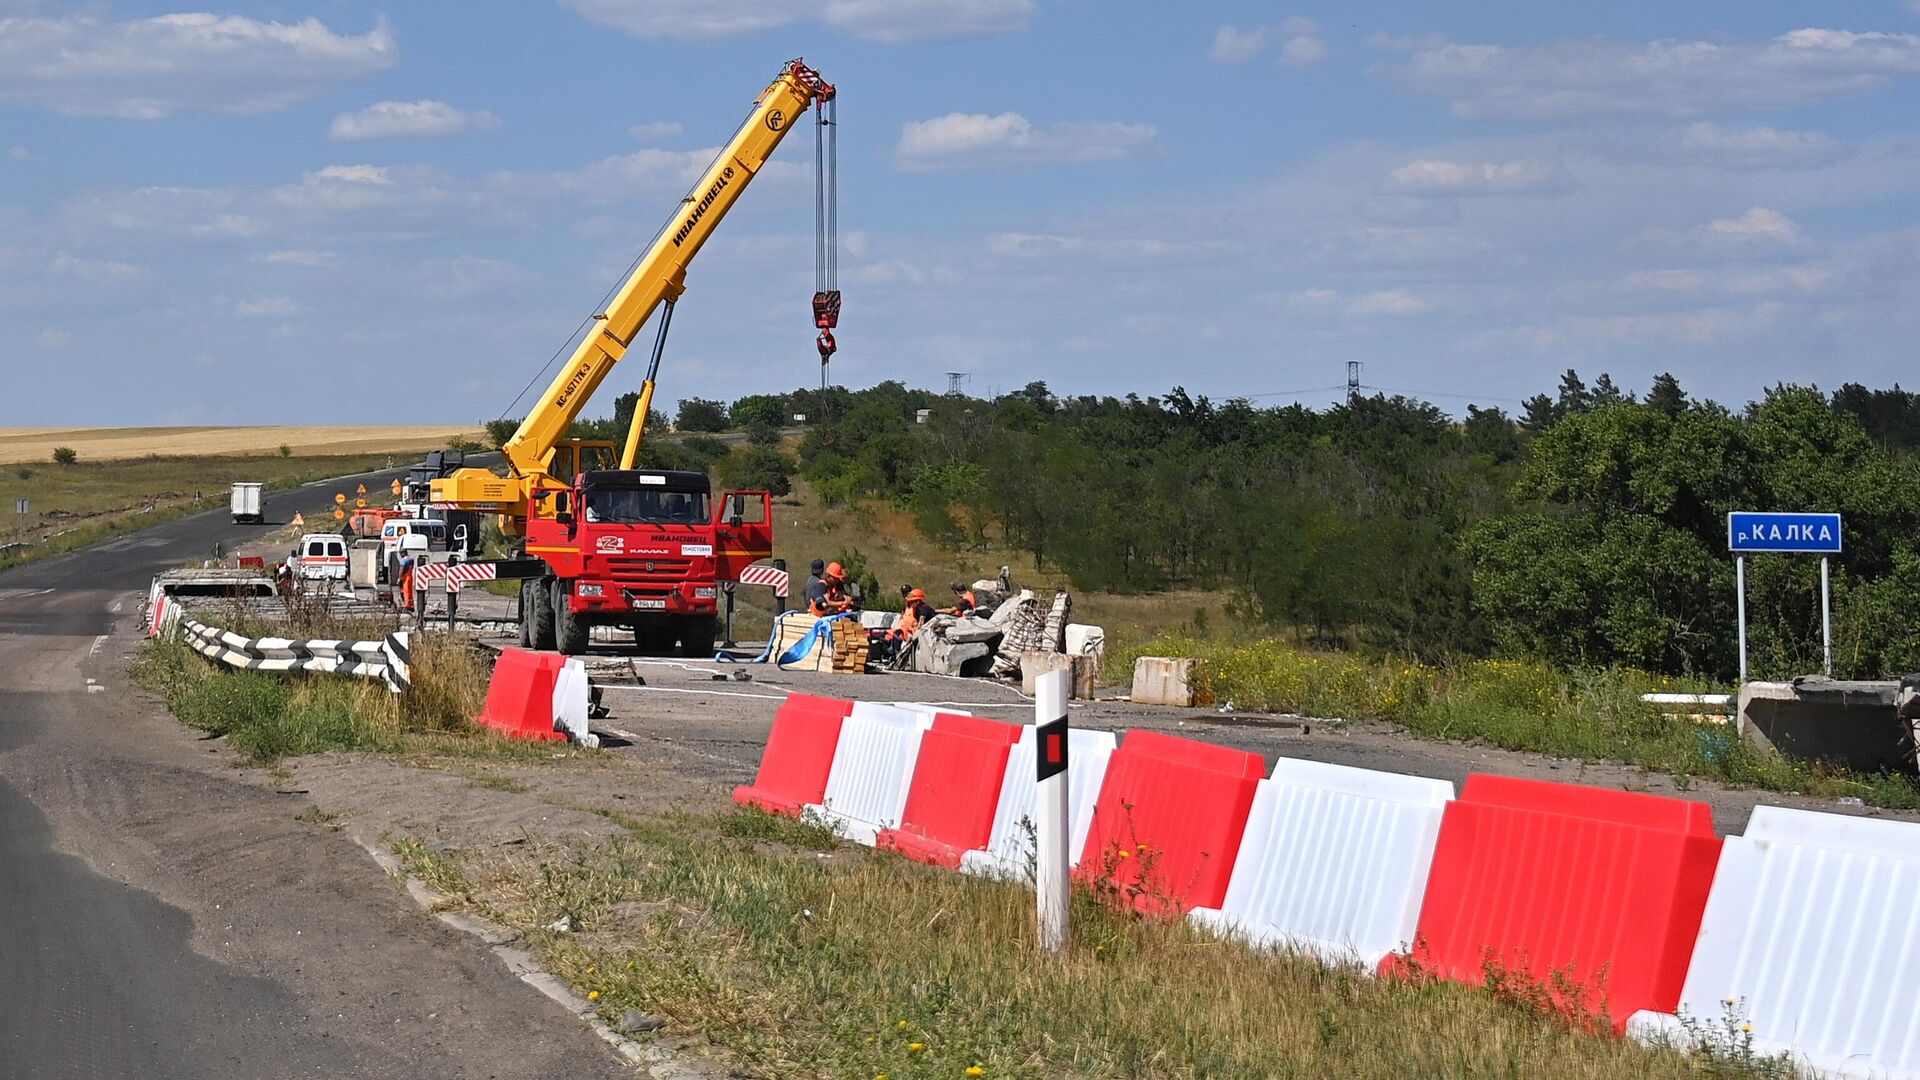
(329, 211)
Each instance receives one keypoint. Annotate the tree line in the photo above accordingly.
(1588, 530)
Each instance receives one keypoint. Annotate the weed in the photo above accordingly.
(870, 965)
(313, 815)
(1724, 1046)
(1513, 704)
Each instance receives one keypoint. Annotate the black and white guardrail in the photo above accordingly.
(388, 660)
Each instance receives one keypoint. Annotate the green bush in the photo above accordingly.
(65, 455)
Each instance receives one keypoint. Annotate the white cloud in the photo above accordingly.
(886, 21)
(1301, 51)
(971, 140)
(1759, 231)
(408, 120)
(465, 276)
(1753, 148)
(356, 174)
(304, 257)
(267, 307)
(1390, 302)
(1232, 45)
(620, 176)
(896, 22)
(96, 271)
(658, 129)
(1435, 177)
(1678, 78)
(23, 155)
(1787, 279)
(149, 68)
(53, 337)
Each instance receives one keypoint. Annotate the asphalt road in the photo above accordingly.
(162, 917)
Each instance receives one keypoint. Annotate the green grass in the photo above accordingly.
(74, 506)
(864, 965)
(266, 717)
(1512, 704)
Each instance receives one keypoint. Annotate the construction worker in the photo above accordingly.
(914, 615)
(815, 572)
(834, 598)
(963, 601)
(406, 581)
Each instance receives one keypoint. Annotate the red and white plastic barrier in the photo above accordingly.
(1167, 827)
(956, 784)
(872, 771)
(1594, 894)
(1009, 849)
(1811, 935)
(799, 755)
(1333, 861)
(1617, 903)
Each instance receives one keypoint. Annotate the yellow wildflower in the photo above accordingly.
(593, 995)
(975, 1070)
(901, 1024)
(916, 1047)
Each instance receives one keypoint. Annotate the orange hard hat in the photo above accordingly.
(917, 594)
(835, 570)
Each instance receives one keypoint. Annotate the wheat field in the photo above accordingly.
(22, 445)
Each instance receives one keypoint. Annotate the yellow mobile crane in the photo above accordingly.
(645, 548)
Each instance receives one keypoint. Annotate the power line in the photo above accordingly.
(1436, 393)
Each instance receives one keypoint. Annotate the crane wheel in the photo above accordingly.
(536, 613)
(569, 631)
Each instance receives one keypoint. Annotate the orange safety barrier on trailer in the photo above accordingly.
(956, 786)
(799, 755)
(1589, 897)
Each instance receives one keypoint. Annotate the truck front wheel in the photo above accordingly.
(696, 636)
(536, 613)
(569, 630)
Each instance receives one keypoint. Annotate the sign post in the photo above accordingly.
(1750, 533)
(1052, 809)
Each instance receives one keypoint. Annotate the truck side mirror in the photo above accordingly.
(736, 521)
(564, 518)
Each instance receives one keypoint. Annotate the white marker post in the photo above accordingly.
(1052, 808)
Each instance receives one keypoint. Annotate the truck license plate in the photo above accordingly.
(652, 603)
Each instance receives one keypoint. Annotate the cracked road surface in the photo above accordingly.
(161, 916)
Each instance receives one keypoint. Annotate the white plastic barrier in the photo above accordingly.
(1333, 862)
(572, 693)
(1813, 931)
(1009, 850)
(872, 770)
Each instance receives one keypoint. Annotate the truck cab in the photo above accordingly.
(645, 549)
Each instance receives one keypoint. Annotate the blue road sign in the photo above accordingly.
(1805, 534)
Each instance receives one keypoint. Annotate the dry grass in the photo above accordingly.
(863, 964)
(36, 445)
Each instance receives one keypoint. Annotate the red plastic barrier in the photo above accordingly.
(799, 755)
(520, 695)
(1589, 898)
(1167, 827)
(956, 786)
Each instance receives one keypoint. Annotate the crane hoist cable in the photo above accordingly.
(826, 225)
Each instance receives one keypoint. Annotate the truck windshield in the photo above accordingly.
(627, 506)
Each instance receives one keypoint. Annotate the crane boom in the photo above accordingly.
(657, 278)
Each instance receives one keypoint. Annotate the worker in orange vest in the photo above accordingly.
(963, 601)
(833, 599)
(915, 615)
(406, 581)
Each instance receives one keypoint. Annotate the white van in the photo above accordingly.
(393, 531)
(320, 557)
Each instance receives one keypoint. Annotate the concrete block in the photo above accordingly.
(1163, 680)
(1037, 663)
(1851, 724)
